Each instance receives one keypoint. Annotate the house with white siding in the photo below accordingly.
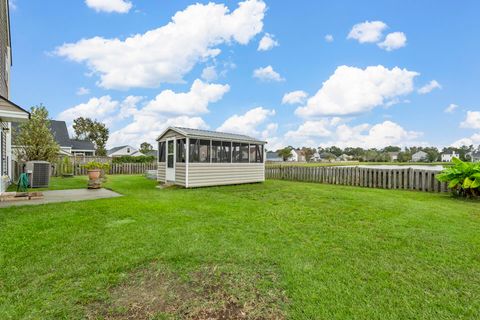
(121, 151)
(475, 156)
(199, 158)
(297, 156)
(9, 111)
(419, 156)
(449, 155)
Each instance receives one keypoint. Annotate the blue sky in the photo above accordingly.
(360, 87)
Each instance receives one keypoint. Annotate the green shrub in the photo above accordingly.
(66, 166)
(93, 165)
(463, 178)
(130, 159)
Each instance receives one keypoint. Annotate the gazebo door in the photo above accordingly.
(170, 170)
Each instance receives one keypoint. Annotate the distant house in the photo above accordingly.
(475, 156)
(68, 146)
(272, 156)
(393, 156)
(316, 157)
(74, 147)
(327, 156)
(344, 157)
(297, 156)
(449, 155)
(419, 156)
(124, 151)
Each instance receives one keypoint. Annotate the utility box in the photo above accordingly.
(39, 173)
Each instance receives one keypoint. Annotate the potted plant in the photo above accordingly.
(94, 169)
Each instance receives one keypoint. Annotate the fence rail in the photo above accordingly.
(115, 168)
(406, 179)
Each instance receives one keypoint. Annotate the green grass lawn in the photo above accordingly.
(274, 250)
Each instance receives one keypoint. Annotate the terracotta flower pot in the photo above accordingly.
(94, 174)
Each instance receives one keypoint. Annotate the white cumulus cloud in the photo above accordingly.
(167, 53)
(335, 131)
(119, 6)
(329, 38)
(377, 136)
(267, 74)
(352, 90)
(472, 120)
(368, 31)
(295, 97)
(451, 108)
(104, 109)
(247, 123)
(148, 126)
(267, 42)
(473, 140)
(429, 87)
(393, 41)
(209, 74)
(192, 102)
(98, 108)
(310, 129)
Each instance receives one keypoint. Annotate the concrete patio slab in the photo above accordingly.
(65, 196)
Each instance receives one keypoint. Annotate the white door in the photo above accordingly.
(170, 170)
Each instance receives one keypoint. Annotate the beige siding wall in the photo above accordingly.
(4, 45)
(213, 174)
(180, 173)
(161, 172)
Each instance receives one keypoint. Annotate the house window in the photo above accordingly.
(199, 150)
(181, 150)
(161, 151)
(256, 153)
(128, 150)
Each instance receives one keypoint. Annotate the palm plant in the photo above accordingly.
(463, 178)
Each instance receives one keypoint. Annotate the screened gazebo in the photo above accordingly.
(200, 158)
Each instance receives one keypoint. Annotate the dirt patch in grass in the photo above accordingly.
(210, 293)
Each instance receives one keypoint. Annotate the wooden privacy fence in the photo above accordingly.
(406, 179)
(115, 168)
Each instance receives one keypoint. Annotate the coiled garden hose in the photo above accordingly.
(23, 183)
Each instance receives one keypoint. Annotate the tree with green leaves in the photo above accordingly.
(97, 132)
(392, 149)
(285, 153)
(308, 152)
(34, 138)
(145, 148)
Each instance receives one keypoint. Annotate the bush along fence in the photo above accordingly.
(115, 168)
(406, 179)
